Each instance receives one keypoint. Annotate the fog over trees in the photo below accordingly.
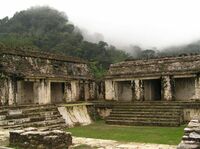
(47, 29)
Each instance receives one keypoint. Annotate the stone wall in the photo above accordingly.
(75, 114)
(155, 67)
(32, 138)
(28, 66)
(31, 77)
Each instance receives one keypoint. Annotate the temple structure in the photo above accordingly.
(31, 77)
(165, 79)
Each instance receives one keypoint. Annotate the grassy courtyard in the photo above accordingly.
(145, 134)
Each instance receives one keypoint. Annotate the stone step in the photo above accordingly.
(14, 107)
(147, 110)
(36, 124)
(150, 119)
(40, 109)
(33, 114)
(19, 111)
(26, 120)
(3, 112)
(148, 113)
(155, 102)
(148, 106)
(144, 115)
(142, 123)
(61, 126)
(2, 117)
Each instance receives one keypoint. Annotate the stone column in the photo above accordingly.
(42, 89)
(133, 90)
(138, 90)
(197, 87)
(11, 92)
(74, 90)
(109, 90)
(91, 90)
(4, 91)
(166, 88)
(67, 92)
(86, 90)
(20, 92)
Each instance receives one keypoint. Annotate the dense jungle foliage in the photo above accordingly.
(47, 29)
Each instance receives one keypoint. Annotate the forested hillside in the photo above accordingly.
(47, 29)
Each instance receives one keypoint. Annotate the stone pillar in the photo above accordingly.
(74, 90)
(11, 92)
(167, 92)
(86, 90)
(197, 87)
(4, 91)
(133, 90)
(67, 92)
(91, 89)
(20, 93)
(109, 90)
(139, 90)
(42, 90)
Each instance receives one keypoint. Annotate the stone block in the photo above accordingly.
(33, 138)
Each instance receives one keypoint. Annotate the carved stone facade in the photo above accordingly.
(30, 77)
(172, 78)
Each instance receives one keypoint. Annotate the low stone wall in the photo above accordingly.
(75, 114)
(32, 138)
(191, 138)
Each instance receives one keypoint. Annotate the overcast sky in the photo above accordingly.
(148, 23)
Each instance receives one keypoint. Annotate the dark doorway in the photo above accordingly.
(124, 91)
(152, 89)
(28, 93)
(184, 88)
(57, 92)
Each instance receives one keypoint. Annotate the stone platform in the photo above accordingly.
(146, 113)
(41, 116)
(32, 138)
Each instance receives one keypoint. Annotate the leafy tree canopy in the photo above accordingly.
(47, 29)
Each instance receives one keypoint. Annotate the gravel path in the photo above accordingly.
(110, 144)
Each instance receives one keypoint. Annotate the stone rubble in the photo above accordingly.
(32, 138)
(191, 137)
(110, 144)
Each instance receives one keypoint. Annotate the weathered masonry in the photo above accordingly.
(165, 79)
(30, 77)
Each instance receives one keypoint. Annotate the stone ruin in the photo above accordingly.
(32, 138)
(191, 137)
(160, 79)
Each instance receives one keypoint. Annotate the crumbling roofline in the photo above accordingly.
(42, 55)
(156, 61)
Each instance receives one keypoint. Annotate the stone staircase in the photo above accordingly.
(41, 116)
(146, 113)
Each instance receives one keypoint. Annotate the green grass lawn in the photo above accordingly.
(145, 134)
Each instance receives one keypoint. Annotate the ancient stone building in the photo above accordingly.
(172, 78)
(30, 77)
(162, 91)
